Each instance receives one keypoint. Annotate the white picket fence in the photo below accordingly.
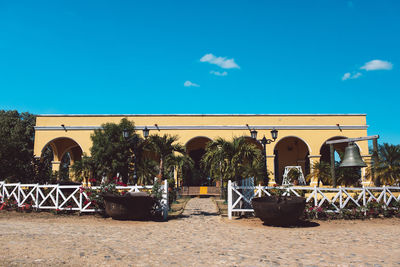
(64, 197)
(239, 197)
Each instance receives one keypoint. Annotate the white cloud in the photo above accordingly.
(222, 62)
(377, 65)
(348, 75)
(356, 75)
(190, 84)
(217, 73)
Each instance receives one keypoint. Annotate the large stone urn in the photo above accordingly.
(131, 206)
(279, 210)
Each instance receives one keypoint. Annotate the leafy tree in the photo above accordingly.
(164, 146)
(231, 160)
(111, 153)
(42, 169)
(16, 146)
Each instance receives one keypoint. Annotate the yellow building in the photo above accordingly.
(300, 141)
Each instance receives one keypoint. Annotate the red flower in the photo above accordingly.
(81, 189)
(86, 202)
(123, 193)
(92, 180)
(121, 183)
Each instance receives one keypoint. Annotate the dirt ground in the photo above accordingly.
(199, 237)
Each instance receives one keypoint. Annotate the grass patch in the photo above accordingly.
(177, 207)
(222, 206)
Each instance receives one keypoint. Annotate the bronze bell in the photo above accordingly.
(352, 157)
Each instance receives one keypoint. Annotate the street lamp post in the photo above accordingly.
(135, 139)
(264, 142)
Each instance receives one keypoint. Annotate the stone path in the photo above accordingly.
(200, 238)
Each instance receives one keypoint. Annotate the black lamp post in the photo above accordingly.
(126, 135)
(264, 141)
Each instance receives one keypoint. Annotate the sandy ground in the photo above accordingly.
(199, 238)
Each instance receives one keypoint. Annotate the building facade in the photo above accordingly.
(301, 137)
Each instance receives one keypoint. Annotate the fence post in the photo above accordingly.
(2, 192)
(384, 195)
(364, 196)
(165, 200)
(80, 200)
(19, 193)
(57, 197)
(315, 196)
(230, 200)
(340, 197)
(37, 196)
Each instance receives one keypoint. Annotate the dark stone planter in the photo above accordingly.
(275, 210)
(131, 206)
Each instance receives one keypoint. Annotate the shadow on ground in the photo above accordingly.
(299, 224)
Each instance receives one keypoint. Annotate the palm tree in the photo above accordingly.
(320, 170)
(164, 146)
(182, 163)
(230, 160)
(387, 169)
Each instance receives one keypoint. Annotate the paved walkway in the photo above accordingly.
(200, 238)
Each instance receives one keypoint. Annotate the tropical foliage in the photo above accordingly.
(111, 153)
(164, 146)
(232, 160)
(320, 171)
(387, 169)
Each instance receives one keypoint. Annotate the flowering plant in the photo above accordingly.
(25, 207)
(95, 195)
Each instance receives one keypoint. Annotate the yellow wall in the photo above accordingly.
(48, 128)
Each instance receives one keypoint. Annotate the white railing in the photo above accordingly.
(336, 199)
(64, 197)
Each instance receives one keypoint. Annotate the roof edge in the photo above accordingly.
(193, 115)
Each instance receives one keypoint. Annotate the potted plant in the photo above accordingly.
(120, 205)
(278, 209)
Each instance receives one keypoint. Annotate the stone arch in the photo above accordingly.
(195, 148)
(291, 151)
(62, 145)
(324, 151)
(65, 152)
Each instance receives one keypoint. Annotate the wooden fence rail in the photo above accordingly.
(335, 199)
(64, 197)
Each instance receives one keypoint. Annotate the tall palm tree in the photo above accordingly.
(387, 169)
(230, 160)
(164, 146)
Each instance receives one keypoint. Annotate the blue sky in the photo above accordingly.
(311, 56)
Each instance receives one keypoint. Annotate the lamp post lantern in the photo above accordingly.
(264, 142)
(134, 139)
